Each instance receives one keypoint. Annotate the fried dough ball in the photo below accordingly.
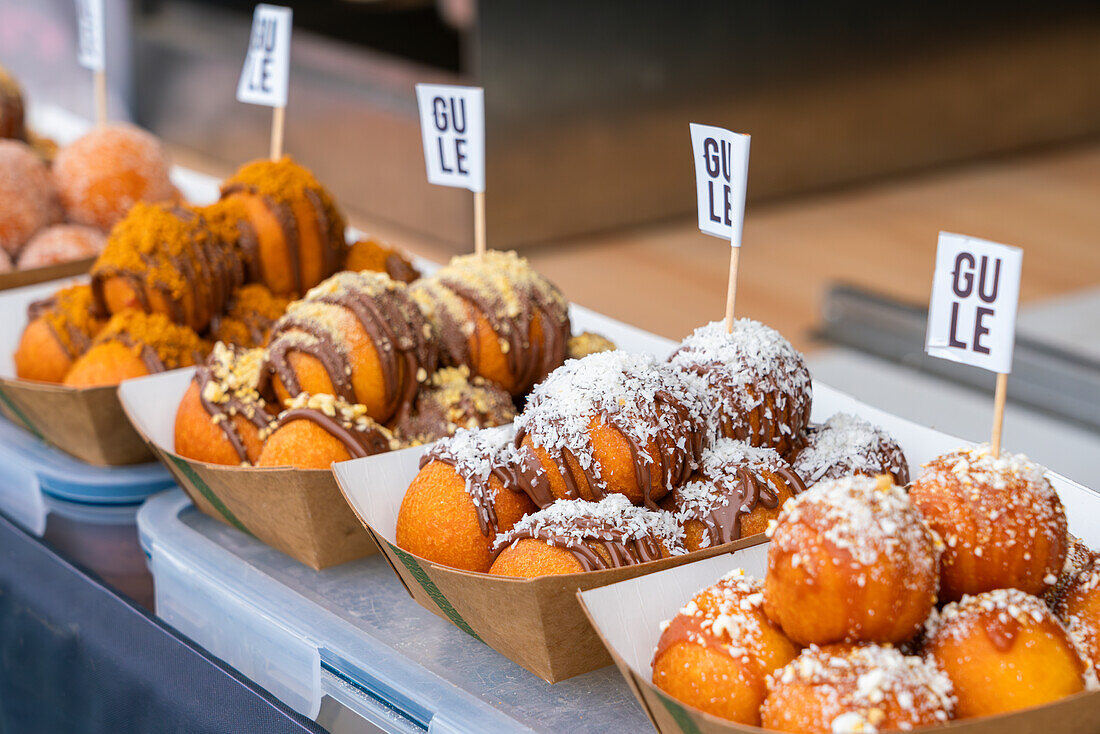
(451, 400)
(586, 343)
(498, 317)
(856, 688)
(1004, 650)
(61, 243)
(357, 336)
(11, 107)
(162, 258)
(299, 230)
(316, 431)
(609, 423)
(370, 254)
(1080, 609)
(108, 170)
(845, 445)
(1078, 557)
(28, 200)
(855, 552)
(753, 382)
(737, 491)
(251, 313)
(59, 329)
(571, 536)
(460, 501)
(1001, 519)
(717, 652)
(222, 413)
(135, 344)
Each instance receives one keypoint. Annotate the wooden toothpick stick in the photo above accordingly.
(999, 411)
(479, 223)
(731, 289)
(100, 86)
(278, 121)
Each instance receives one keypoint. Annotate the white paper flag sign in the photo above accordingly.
(452, 123)
(721, 176)
(89, 34)
(972, 315)
(266, 71)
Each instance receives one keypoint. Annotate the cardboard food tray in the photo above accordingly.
(534, 622)
(85, 422)
(300, 512)
(31, 276)
(627, 617)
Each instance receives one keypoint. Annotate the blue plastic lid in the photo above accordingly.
(23, 457)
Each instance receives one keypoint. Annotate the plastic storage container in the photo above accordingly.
(353, 635)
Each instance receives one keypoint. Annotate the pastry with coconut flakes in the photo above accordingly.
(858, 554)
(571, 536)
(1000, 518)
(1079, 608)
(316, 431)
(358, 336)
(717, 652)
(611, 423)
(222, 414)
(846, 445)
(1004, 650)
(754, 384)
(736, 492)
(497, 316)
(461, 500)
(855, 689)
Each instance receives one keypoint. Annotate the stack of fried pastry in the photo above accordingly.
(882, 610)
(619, 459)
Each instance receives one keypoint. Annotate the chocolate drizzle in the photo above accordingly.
(359, 441)
(510, 295)
(230, 403)
(390, 319)
(78, 341)
(618, 550)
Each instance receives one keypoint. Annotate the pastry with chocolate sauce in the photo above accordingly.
(358, 336)
(462, 499)
(1079, 608)
(248, 319)
(28, 199)
(162, 259)
(847, 445)
(61, 243)
(59, 329)
(585, 343)
(370, 254)
(611, 423)
(1078, 557)
(104, 173)
(857, 688)
(299, 230)
(497, 316)
(451, 400)
(221, 415)
(1001, 519)
(717, 652)
(737, 491)
(136, 344)
(1004, 650)
(11, 107)
(316, 431)
(754, 384)
(571, 536)
(856, 552)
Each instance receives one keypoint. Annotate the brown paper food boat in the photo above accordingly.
(297, 511)
(627, 618)
(85, 422)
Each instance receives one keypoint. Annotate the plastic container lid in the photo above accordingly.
(353, 633)
(27, 461)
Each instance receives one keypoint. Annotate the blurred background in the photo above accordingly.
(875, 125)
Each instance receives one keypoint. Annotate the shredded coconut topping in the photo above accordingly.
(718, 467)
(858, 685)
(846, 444)
(475, 454)
(729, 614)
